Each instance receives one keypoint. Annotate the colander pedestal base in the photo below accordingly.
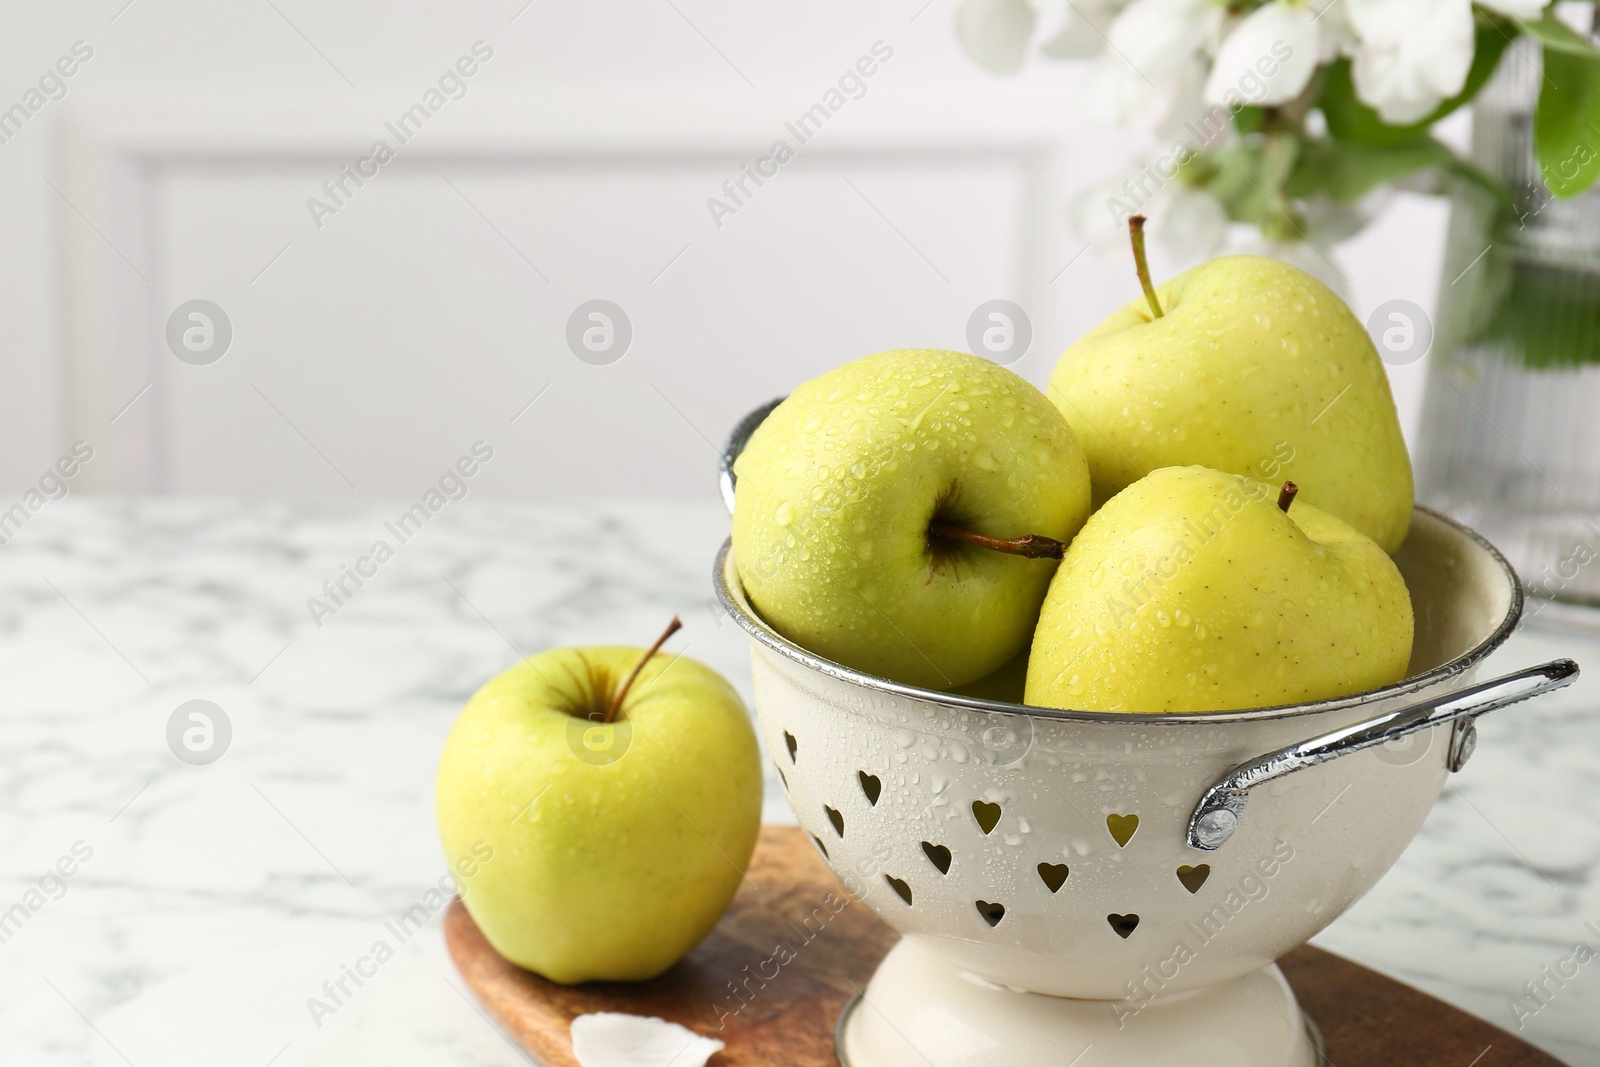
(919, 1011)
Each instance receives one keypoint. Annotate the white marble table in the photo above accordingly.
(215, 900)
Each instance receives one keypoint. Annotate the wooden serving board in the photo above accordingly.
(1367, 1020)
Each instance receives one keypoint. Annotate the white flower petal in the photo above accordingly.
(1115, 94)
(1335, 37)
(1268, 58)
(615, 1039)
(1411, 55)
(995, 33)
(1154, 35)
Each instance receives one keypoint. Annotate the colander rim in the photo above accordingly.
(758, 629)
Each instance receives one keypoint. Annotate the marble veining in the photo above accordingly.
(207, 905)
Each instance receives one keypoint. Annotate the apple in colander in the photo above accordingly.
(1194, 590)
(903, 513)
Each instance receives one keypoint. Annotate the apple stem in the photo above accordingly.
(627, 683)
(1142, 264)
(1286, 495)
(1032, 546)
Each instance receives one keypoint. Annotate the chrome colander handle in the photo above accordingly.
(1217, 815)
(737, 439)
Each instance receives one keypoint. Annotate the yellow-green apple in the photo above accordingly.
(870, 503)
(1194, 590)
(1252, 367)
(621, 809)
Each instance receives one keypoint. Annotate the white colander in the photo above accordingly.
(1115, 886)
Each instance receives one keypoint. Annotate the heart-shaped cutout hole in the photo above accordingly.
(899, 887)
(835, 818)
(788, 740)
(1054, 875)
(938, 855)
(871, 786)
(784, 778)
(1122, 829)
(992, 913)
(820, 846)
(1123, 924)
(987, 814)
(1194, 877)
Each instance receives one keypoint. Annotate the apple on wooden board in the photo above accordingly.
(620, 791)
(1194, 590)
(902, 514)
(1247, 365)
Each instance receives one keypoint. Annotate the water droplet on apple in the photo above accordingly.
(784, 514)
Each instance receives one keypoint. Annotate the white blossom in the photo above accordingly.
(1152, 35)
(1178, 67)
(1335, 37)
(1152, 61)
(1410, 55)
(1268, 58)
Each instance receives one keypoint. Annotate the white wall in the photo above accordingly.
(371, 351)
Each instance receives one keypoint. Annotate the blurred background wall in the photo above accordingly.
(376, 337)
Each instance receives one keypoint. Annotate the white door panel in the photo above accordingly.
(416, 320)
(432, 308)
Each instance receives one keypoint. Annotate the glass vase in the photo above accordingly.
(1510, 440)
